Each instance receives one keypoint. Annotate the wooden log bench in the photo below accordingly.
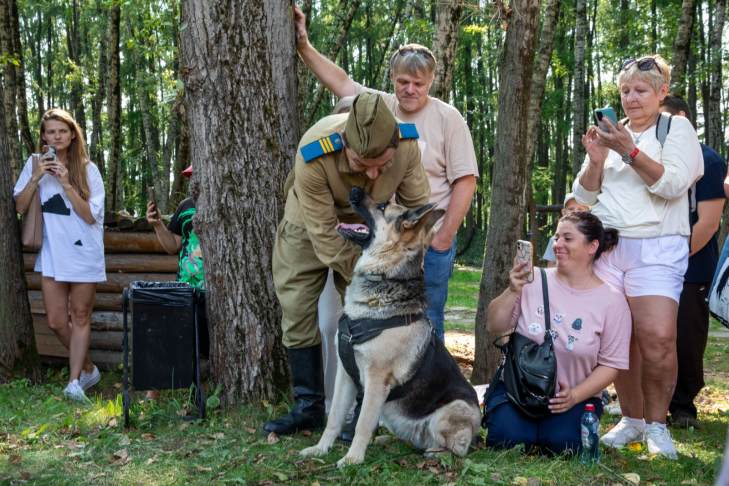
(130, 255)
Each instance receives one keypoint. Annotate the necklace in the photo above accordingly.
(636, 138)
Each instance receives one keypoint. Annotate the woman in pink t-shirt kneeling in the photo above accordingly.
(590, 324)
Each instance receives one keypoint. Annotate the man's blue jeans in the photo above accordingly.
(438, 268)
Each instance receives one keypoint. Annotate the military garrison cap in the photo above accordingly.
(370, 125)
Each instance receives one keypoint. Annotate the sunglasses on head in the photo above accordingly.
(415, 50)
(644, 64)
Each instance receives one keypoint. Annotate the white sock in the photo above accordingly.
(658, 424)
(637, 423)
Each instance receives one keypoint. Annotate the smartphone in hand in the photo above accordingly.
(524, 255)
(602, 113)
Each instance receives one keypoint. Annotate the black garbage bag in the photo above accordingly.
(163, 334)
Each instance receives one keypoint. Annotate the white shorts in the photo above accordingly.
(646, 266)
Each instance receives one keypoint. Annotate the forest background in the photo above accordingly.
(127, 71)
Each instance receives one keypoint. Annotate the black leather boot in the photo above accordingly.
(307, 375)
(347, 433)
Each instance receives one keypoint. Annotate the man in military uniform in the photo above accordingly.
(365, 148)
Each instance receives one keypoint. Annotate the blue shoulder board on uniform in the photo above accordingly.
(326, 145)
(408, 130)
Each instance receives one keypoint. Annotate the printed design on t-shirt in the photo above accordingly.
(577, 324)
(554, 334)
(78, 243)
(56, 205)
(191, 259)
(558, 318)
(534, 328)
(571, 342)
(540, 311)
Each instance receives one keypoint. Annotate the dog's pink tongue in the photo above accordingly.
(356, 227)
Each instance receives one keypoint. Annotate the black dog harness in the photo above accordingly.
(358, 331)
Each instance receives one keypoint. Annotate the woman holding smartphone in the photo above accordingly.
(638, 184)
(71, 258)
(590, 325)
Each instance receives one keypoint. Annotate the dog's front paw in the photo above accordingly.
(349, 460)
(314, 451)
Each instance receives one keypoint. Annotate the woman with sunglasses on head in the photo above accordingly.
(638, 184)
(71, 258)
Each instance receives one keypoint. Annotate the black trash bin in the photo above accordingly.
(165, 339)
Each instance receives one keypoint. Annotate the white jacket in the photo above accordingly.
(625, 202)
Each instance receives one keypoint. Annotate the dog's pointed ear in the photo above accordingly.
(423, 217)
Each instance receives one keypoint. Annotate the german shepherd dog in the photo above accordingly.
(410, 380)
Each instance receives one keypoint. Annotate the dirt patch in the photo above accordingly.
(461, 345)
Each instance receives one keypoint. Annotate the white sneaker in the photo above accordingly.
(626, 431)
(87, 380)
(74, 391)
(659, 440)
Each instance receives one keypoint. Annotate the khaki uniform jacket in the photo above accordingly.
(318, 199)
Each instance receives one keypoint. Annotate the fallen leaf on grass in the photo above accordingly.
(124, 441)
(14, 459)
(495, 477)
(272, 438)
(250, 430)
(121, 457)
(113, 422)
(434, 470)
(25, 475)
(148, 436)
(632, 478)
(281, 476)
(635, 446)
(534, 482)
(117, 385)
(520, 481)
(151, 461)
(183, 426)
(315, 483)
(689, 481)
(203, 469)
(219, 436)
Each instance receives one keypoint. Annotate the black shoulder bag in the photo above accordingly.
(529, 370)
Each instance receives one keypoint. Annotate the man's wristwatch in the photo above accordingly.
(629, 158)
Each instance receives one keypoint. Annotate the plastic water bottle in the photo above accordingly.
(589, 427)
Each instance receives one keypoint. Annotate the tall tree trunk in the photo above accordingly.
(682, 47)
(624, 16)
(239, 72)
(114, 110)
(579, 124)
(73, 41)
(332, 53)
(96, 152)
(182, 158)
(539, 77)
(509, 173)
(17, 342)
(26, 137)
(148, 112)
(10, 92)
(713, 115)
(448, 25)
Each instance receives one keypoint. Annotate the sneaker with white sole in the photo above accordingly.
(626, 431)
(659, 441)
(87, 380)
(74, 391)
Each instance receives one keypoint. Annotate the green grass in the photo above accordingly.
(45, 439)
